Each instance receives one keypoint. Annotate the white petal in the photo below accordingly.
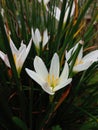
(2, 55)
(37, 37)
(35, 77)
(12, 46)
(82, 67)
(71, 51)
(40, 67)
(93, 56)
(40, 81)
(67, 11)
(63, 84)
(29, 47)
(22, 46)
(57, 13)
(47, 89)
(46, 2)
(55, 66)
(45, 37)
(2, 12)
(33, 36)
(5, 59)
(20, 59)
(68, 54)
(65, 72)
(80, 53)
(22, 54)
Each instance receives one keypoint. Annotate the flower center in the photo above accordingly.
(78, 62)
(18, 67)
(14, 57)
(52, 81)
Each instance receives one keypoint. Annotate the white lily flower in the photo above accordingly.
(18, 55)
(82, 63)
(57, 12)
(37, 38)
(50, 81)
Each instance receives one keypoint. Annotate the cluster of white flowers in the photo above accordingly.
(51, 80)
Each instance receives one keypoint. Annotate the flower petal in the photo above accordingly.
(29, 47)
(33, 36)
(55, 66)
(57, 13)
(82, 67)
(80, 54)
(40, 67)
(5, 59)
(71, 51)
(67, 11)
(63, 84)
(45, 38)
(22, 46)
(12, 46)
(20, 59)
(65, 72)
(37, 37)
(93, 56)
(47, 89)
(46, 2)
(35, 77)
(40, 81)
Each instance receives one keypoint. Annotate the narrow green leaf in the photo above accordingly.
(19, 123)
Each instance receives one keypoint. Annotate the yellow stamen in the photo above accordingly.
(14, 56)
(52, 81)
(78, 62)
(17, 67)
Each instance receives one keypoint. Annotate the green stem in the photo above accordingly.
(47, 117)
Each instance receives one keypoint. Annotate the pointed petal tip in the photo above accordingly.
(81, 42)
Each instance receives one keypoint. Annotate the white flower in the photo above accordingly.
(37, 38)
(82, 63)
(50, 81)
(18, 55)
(57, 12)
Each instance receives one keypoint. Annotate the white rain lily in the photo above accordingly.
(82, 63)
(50, 81)
(18, 55)
(57, 12)
(37, 38)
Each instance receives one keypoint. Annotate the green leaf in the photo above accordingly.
(89, 126)
(19, 123)
(56, 128)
